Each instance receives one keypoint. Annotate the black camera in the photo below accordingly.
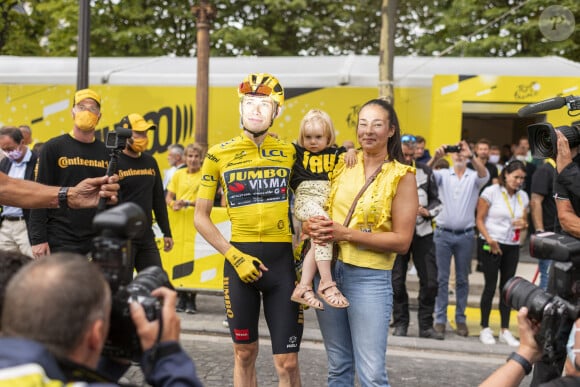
(556, 312)
(117, 139)
(111, 250)
(542, 138)
(452, 148)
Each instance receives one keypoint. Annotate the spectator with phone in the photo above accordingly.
(454, 236)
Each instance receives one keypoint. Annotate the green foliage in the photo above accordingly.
(284, 27)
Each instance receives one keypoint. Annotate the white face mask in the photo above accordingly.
(494, 159)
(521, 158)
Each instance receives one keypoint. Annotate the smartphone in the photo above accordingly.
(452, 149)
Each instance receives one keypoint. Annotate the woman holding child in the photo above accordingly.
(381, 226)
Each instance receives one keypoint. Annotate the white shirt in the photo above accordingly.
(459, 197)
(503, 209)
(17, 171)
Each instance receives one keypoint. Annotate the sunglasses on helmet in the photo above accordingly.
(246, 88)
(408, 138)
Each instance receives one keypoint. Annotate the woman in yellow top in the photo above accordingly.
(381, 227)
(181, 194)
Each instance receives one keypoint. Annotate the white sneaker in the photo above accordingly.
(507, 338)
(486, 336)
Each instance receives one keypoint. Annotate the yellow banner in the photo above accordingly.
(193, 263)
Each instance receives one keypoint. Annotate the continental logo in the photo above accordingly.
(136, 172)
(65, 162)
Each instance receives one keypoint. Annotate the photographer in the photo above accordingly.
(567, 186)
(519, 363)
(56, 320)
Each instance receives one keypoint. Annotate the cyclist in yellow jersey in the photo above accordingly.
(254, 171)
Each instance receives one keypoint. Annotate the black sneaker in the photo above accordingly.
(431, 333)
(180, 307)
(190, 306)
(400, 331)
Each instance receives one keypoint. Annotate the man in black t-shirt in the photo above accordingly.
(141, 183)
(543, 208)
(65, 161)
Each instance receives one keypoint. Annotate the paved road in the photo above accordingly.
(406, 367)
(411, 361)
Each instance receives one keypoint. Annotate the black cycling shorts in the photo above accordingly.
(285, 318)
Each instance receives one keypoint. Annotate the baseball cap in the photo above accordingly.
(137, 122)
(86, 93)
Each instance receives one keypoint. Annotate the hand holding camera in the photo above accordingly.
(148, 331)
(528, 330)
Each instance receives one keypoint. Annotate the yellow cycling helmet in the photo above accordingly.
(262, 84)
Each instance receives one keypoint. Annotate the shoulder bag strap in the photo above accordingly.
(357, 197)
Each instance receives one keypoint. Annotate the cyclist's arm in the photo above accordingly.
(206, 228)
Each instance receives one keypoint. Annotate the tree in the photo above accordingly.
(387, 54)
(290, 27)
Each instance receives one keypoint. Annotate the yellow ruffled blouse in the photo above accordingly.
(372, 212)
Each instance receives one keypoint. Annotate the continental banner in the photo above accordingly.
(193, 264)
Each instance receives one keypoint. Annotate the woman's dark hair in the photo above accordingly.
(395, 152)
(509, 167)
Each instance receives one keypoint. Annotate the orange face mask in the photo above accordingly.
(86, 120)
(139, 144)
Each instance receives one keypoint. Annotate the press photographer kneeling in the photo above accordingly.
(57, 315)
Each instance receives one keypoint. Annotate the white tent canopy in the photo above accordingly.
(312, 71)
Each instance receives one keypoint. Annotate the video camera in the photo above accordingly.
(117, 139)
(111, 250)
(542, 136)
(556, 312)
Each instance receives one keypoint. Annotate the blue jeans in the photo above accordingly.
(357, 336)
(460, 246)
(544, 266)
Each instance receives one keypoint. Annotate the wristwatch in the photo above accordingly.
(62, 197)
(526, 365)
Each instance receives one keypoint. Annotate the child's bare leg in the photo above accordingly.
(303, 292)
(308, 268)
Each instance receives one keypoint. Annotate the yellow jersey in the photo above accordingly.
(255, 180)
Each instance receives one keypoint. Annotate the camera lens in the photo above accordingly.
(148, 280)
(518, 292)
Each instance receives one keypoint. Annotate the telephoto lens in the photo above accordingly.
(518, 292)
